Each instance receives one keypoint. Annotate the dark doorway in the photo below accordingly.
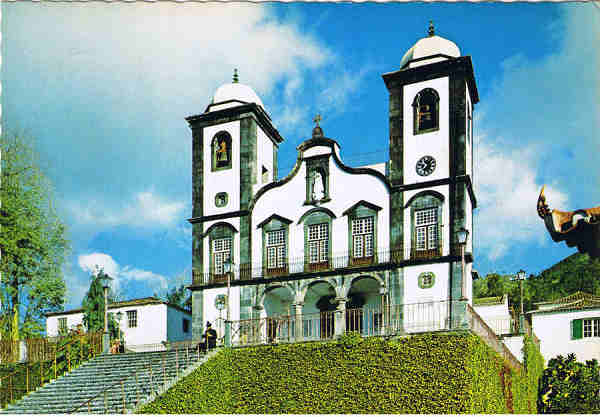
(327, 309)
(354, 313)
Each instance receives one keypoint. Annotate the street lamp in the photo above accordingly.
(463, 235)
(105, 338)
(520, 276)
(228, 267)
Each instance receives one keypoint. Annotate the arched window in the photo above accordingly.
(221, 151)
(426, 110)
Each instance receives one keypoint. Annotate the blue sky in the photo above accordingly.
(104, 89)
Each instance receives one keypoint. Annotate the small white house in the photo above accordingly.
(569, 325)
(494, 311)
(143, 322)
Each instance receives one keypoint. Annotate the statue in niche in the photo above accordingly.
(318, 187)
(222, 152)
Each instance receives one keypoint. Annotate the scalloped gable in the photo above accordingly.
(273, 217)
(361, 203)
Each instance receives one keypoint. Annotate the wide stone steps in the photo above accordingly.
(99, 382)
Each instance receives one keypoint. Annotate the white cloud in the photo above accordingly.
(92, 262)
(507, 193)
(145, 209)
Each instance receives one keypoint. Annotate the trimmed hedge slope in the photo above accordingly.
(430, 373)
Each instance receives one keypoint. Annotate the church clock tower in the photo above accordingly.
(432, 97)
(234, 153)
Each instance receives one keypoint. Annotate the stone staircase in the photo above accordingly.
(112, 383)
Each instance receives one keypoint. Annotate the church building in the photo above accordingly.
(328, 247)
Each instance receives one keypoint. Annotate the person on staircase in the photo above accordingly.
(209, 338)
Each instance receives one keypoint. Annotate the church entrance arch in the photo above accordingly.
(278, 309)
(318, 311)
(364, 306)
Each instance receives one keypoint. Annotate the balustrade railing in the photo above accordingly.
(301, 264)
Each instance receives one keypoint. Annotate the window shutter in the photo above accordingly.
(576, 329)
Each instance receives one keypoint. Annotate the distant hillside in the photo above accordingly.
(428, 373)
(574, 273)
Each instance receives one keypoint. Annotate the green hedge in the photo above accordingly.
(429, 373)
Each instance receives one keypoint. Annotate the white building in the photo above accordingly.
(329, 237)
(568, 325)
(496, 314)
(144, 321)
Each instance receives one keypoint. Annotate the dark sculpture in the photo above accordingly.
(579, 228)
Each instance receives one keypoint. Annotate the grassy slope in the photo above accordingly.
(439, 373)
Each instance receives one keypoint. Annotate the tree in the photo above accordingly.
(178, 296)
(568, 386)
(93, 306)
(32, 240)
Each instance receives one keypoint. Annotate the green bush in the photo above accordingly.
(568, 386)
(429, 373)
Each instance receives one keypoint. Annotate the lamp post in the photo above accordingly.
(228, 267)
(520, 276)
(383, 292)
(463, 235)
(105, 337)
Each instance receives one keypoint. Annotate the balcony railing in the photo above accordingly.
(301, 264)
(391, 320)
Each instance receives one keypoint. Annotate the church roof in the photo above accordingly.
(433, 46)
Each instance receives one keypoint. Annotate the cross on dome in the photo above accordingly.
(317, 119)
(235, 76)
(317, 131)
(431, 31)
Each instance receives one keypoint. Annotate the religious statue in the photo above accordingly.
(318, 187)
(579, 228)
(222, 151)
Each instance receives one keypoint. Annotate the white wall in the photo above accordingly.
(175, 319)
(288, 201)
(515, 345)
(72, 321)
(414, 294)
(210, 312)
(496, 316)
(264, 157)
(227, 180)
(554, 332)
(432, 143)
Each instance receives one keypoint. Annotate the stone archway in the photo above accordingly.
(278, 309)
(364, 312)
(318, 311)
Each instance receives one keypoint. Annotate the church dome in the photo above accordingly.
(233, 94)
(430, 46)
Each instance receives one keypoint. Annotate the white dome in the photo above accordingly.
(431, 45)
(234, 91)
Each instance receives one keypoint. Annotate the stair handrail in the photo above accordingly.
(67, 347)
(122, 381)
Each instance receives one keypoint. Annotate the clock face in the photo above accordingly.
(426, 165)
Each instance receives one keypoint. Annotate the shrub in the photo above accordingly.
(428, 373)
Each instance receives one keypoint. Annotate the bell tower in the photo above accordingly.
(431, 100)
(234, 153)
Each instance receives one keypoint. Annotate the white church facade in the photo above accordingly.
(328, 247)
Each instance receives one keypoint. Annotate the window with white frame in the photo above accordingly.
(132, 318)
(318, 243)
(276, 254)
(362, 237)
(62, 324)
(221, 252)
(426, 229)
(591, 327)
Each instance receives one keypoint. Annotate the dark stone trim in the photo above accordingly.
(316, 210)
(434, 193)
(361, 203)
(224, 102)
(339, 271)
(275, 184)
(236, 113)
(309, 143)
(224, 224)
(427, 57)
(271, 217)
(460, 66)
(424, 184)
(218, 216)
(368, 171)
